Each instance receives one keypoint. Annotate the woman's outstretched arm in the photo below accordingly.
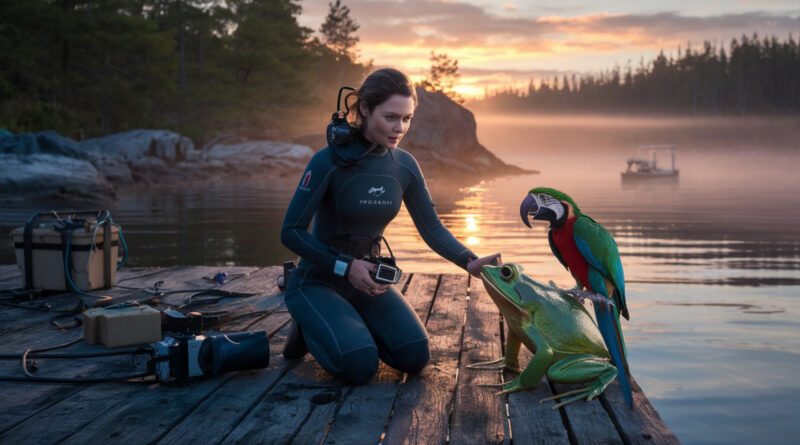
(420, 205)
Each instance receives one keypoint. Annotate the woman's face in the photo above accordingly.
(389, 121)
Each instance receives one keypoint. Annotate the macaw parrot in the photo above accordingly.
(590, 254)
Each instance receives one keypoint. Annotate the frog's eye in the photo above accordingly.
(507, 273)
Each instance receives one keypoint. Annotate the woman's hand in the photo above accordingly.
(359, 277)
(474, 266)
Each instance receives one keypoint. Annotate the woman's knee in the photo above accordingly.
(360, 365)
(412, 357)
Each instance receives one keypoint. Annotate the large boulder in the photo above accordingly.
(51, 174)
(255, 156)
(443, 137)
(134, 145)
(47, 142)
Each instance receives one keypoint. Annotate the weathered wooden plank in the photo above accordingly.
(642, 425)
(22, 401)
(533, 422)
(144, 415)
(420, 294)
(423, 405)
(479, 415)
(60, 420)
(318, 423)
(280, 414)
(587, 422)
(364, 410)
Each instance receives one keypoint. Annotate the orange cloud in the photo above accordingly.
(403, 33)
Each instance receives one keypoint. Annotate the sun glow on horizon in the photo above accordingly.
(513, 43)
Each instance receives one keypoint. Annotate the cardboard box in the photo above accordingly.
(127, 326)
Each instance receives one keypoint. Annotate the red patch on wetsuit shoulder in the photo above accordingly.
(564, 240)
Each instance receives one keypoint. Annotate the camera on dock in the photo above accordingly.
(188, 357)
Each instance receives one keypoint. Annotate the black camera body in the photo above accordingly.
(387, 271)
(189, 356)
(339, 131)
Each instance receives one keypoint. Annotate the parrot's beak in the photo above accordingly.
(528, 207)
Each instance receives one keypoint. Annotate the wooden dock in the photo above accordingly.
(298, 402)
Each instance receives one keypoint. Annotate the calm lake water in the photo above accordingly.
(712, 261)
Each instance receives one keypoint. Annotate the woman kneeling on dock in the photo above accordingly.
(345, 318)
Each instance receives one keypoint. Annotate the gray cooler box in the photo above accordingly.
(93, 267)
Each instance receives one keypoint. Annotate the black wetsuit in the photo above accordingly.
(344, 329)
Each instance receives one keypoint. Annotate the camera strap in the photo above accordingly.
(391, 254)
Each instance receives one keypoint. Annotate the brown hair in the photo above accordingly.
(377, 88)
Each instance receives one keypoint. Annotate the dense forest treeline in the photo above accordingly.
(753, 76)
(202, 68)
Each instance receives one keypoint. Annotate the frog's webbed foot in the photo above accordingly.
(495, 365)
(587, 392)
(510, 386)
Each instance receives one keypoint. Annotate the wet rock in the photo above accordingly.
(135, 145)
(40, 174)
(443, 137)
(252, 157)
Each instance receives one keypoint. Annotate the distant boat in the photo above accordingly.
(647, 167)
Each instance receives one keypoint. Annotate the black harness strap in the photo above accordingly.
(107, 255)
(27, 240)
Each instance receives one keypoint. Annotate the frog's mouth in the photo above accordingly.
(498, 295)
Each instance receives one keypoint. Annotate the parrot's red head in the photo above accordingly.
(547, 204)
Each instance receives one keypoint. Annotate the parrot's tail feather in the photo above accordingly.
(608, 322)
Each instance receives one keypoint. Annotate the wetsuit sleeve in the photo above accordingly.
(420, 205)
(307, 197)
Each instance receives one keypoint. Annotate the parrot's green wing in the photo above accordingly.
(600, 250)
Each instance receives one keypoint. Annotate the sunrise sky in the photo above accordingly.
(510, 42)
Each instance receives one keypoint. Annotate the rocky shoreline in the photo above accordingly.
(46, 164)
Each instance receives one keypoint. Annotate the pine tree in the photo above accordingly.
(443, 76)
(338, 31)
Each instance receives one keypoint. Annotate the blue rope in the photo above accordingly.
(68, 270)
(101, 220)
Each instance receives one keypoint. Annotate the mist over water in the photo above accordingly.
(712, 261)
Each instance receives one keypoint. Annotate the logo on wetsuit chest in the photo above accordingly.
(376, 192)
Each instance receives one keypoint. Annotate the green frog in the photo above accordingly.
(555, 327)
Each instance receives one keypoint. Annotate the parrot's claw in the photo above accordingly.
(599, 300)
